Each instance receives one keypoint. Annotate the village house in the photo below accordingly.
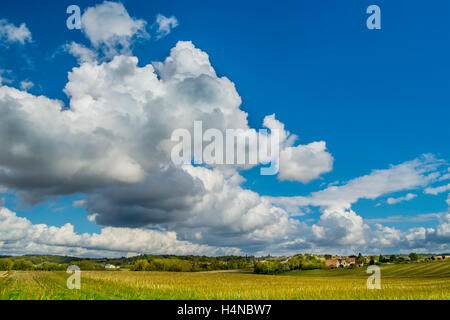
(342, 263)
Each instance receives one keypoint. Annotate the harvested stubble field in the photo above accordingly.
(404, 281)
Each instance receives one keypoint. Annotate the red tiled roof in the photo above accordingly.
(334, 261)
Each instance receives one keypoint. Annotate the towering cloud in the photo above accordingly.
(113, 144)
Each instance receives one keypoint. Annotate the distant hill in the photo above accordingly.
(38, 259)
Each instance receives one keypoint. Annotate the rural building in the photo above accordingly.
(342, 263)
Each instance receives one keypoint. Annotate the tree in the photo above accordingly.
(22, 265)
(269, 267)
(296, 262)
(360, 259)
(49, 266)
(86, 265)
(141, 265)
(5, 264)
(393, 258)
(328, 256)
(414, 256)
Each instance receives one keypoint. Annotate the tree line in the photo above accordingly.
(297, 262)
(140, 263)
(26, 265)
(182, 265)
(261, 265)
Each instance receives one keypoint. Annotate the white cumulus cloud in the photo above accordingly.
(114, 145)
(19, 235)
(109, 26)
(305, 162)
(9, 33)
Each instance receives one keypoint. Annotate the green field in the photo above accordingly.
(398, 281)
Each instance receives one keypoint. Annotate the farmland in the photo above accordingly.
(399, 281)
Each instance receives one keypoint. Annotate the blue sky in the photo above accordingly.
(377, 97)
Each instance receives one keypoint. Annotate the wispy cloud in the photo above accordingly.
(419, 172)
(26, 85)
(437, 190)
(408, 197)
(79, 203)
(3, 79)
(80, 52)
(165, 25)
(401, 219)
